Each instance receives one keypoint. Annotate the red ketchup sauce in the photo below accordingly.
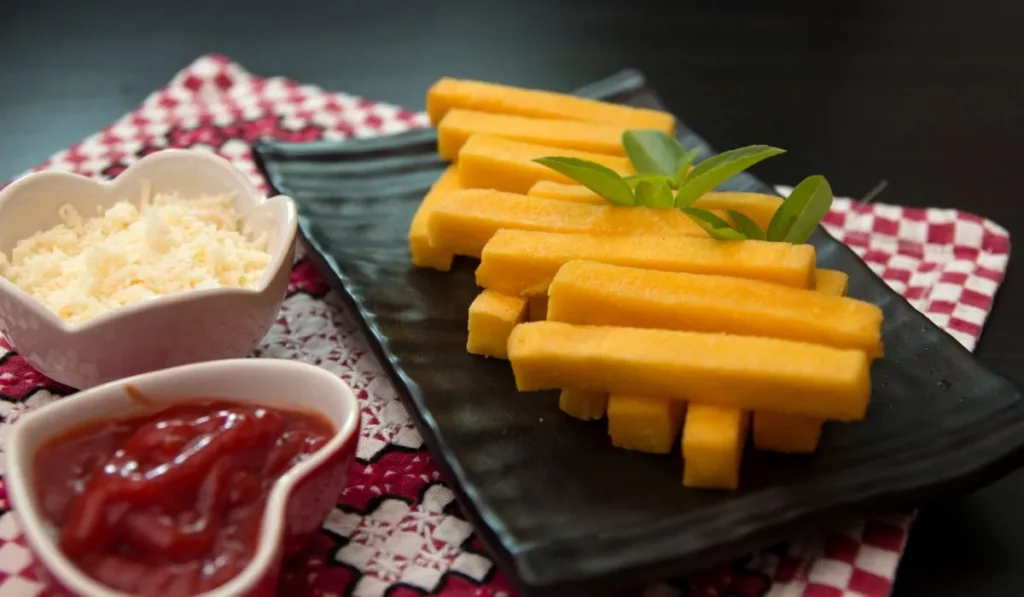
(171, 503)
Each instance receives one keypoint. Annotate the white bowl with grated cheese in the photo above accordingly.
(178, 260)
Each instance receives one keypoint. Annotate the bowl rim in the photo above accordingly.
(44, 547)
(258, 198)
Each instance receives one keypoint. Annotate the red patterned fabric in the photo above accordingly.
(396, 529)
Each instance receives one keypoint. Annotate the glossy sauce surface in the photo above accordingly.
(171, 503)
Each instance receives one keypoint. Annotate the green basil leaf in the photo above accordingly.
(748, 227)
(715, 226)
(654, 195)
(655, 179)
(800, 213)
(684, 165)
(663, 197)
(652, 152)
(732, 155)
(717, 169)
(602, 180)
(644, 192)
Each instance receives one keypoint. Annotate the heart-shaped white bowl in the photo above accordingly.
(298, 503)
(175, 329)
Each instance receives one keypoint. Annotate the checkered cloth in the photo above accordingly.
(395, 530)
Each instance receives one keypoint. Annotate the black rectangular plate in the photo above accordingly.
(562, 510)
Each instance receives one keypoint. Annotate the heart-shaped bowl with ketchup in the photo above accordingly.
(194, 480)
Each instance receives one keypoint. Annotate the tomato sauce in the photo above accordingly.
(171, 503)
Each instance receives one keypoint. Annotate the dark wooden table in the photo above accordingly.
(925, 94)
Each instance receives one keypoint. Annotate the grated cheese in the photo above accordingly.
(86, 266)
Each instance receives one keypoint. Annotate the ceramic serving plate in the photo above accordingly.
(562, 510)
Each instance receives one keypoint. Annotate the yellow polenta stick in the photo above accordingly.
(462, 222)
(423, 253)
(598, 294)
(713, 440)
(831, 282)
(448, 93)
(564, 191)
(758, 207)
(488, 162)
(644, 423)
(793, 433)
(523, 262)
(458, 125)
(583, 405)
(492, 316)
(591, 293)
(745, 372)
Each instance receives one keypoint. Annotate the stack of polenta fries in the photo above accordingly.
(635, 313)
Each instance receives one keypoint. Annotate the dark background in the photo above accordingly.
(924, 94)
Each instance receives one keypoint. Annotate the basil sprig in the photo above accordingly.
(653, 152)
(717, 169)
(799, 214)
(665, 179)
(602, 180)
(715, 226)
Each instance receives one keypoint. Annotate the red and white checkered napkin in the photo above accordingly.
(394, 531)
